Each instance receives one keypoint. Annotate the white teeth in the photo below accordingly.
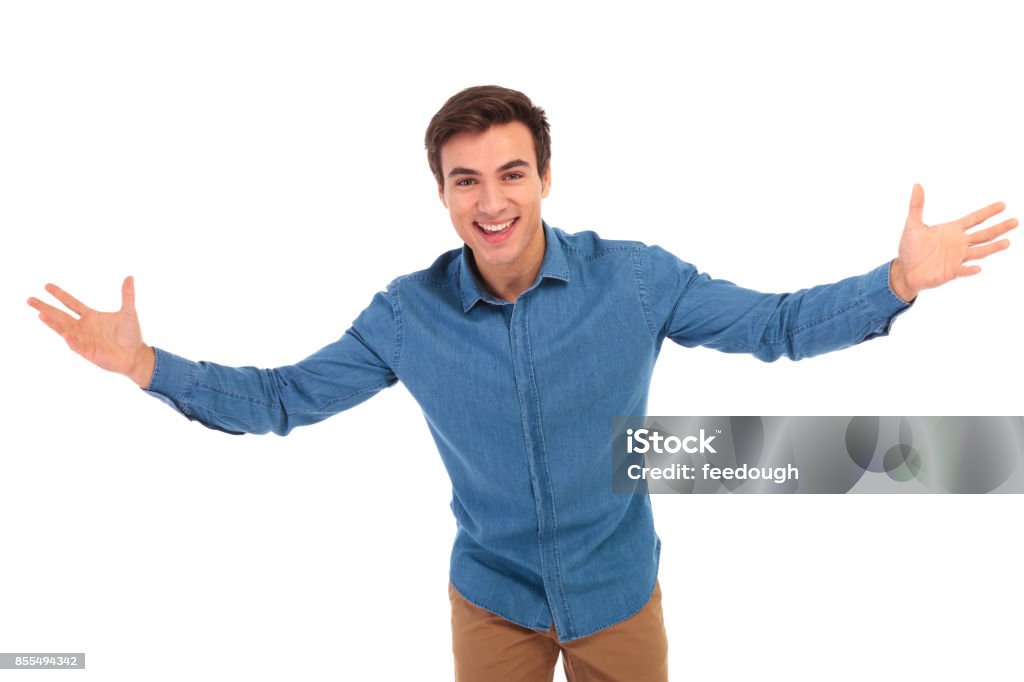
(496, 228)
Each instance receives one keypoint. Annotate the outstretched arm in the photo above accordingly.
(112, 341)
(235, 399)
(930, 256)
(693, 309)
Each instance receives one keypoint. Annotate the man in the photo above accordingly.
(519, 348)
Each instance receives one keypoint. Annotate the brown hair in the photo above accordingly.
(478, 108)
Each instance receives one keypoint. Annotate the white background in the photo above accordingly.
(259, 168)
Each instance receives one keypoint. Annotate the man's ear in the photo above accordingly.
(440, 194)
(545, 181)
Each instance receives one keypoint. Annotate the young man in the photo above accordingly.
(520, 347)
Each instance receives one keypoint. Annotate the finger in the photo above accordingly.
(968, 270)
(977, 252)
(990, 233)
(980, 216)
(128, 293)
(67, 299)
(54, 318)
(916, 204)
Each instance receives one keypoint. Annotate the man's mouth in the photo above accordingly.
(496, 229)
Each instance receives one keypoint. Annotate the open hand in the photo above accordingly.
(930, 256)
(112, 341)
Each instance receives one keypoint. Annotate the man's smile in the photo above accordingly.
(496, 231)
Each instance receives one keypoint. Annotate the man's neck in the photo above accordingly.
(508, 282)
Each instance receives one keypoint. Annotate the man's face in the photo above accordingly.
(492, 190)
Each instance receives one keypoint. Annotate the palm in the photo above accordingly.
(109, 340)
(933, 255)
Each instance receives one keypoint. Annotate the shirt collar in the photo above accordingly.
(554, 266)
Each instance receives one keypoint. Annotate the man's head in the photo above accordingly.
(490, 151)
(477, 109)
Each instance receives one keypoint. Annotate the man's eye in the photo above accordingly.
(465, 182)
(514, 176)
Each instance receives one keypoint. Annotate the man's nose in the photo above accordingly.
(492, 199)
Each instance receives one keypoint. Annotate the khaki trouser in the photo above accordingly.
(488, 648)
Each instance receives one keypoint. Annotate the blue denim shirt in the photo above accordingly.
(519, 399)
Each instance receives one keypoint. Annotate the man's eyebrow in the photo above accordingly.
(514, 163)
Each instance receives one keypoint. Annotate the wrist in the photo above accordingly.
(898, 282)
(142, 369)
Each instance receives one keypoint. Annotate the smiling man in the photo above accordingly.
(520, 347)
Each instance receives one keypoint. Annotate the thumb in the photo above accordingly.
(128, 294)
(916, 205)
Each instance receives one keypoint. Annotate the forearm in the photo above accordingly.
(220, 397)
(252, 400)
(830, 317)
(721, 315)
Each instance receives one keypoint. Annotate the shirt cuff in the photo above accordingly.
(881, 298)
(173, 379)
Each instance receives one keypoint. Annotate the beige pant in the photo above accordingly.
(488, 648)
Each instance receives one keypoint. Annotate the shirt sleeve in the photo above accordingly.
(693, 309)
(251, 400)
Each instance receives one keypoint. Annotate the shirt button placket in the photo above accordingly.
(537, 461)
